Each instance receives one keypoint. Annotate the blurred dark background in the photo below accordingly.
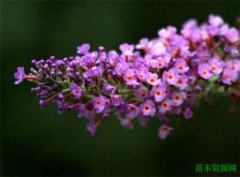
(42, 142)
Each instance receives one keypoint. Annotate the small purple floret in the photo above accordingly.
(76, 90)
(83, 49)
(19, 75)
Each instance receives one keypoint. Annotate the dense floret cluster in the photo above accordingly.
(155, 78)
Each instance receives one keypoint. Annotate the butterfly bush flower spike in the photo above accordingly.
(154, 79)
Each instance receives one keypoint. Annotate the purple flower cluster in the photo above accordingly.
(156, 78)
